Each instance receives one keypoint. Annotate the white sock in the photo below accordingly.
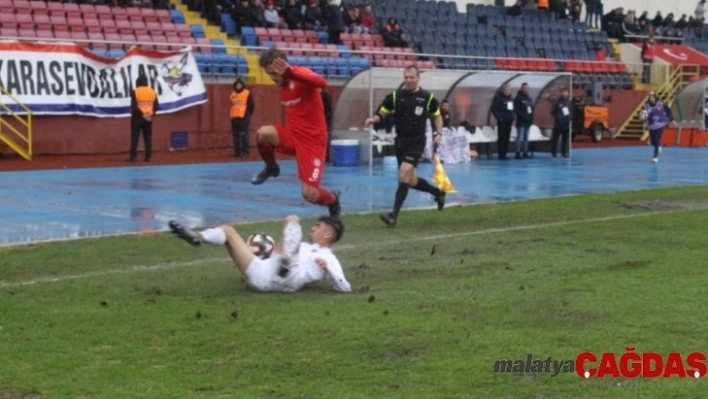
(215, 236)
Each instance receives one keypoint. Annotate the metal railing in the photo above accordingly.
(18, 139)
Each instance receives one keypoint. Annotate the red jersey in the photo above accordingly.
(300, 95)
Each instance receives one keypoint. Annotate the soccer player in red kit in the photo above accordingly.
(305, 132)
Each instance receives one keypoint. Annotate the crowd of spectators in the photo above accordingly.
(317, 15)
(628, 27)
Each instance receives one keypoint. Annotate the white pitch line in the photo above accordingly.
(164, 266)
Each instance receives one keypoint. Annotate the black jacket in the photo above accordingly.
(523, 106)
(500, 108)
(559, 114)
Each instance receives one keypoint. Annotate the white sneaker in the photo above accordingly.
(655, 159)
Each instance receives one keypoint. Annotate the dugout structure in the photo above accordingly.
(469, 92)
(690, 103)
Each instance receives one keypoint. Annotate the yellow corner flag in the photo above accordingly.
(440, 177)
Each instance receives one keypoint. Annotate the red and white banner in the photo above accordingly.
(65, 79)
(674, 54)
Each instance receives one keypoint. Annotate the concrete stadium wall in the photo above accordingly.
(208, 125)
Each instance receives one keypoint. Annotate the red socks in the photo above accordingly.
(267, 151)
(324, 197)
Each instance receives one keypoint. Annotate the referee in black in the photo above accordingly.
(412, 107)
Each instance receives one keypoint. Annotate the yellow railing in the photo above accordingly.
(676, 79)
(18, 139)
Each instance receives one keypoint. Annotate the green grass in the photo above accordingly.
(438, 300)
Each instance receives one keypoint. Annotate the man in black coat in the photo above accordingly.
(523, 106)
(503, 111)
(562, 113)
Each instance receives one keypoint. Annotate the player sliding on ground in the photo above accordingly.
(292, 265)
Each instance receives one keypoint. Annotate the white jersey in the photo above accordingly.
(283, 272)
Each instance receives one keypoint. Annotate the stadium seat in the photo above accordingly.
(169, 29)
(55, 8)
(218, 46)
(197, 31)
(204, 45)
(161, 16)
(24, 21)
(48, 34)
(149, 14)
(299, 35)
(8, 32)
(312, 37)
(176, 16)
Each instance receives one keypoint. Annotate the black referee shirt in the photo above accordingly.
(412, 110)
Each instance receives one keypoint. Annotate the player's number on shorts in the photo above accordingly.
(315, 174)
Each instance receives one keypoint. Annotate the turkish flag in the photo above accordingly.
(674, 54)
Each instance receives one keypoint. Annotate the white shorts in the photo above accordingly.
(262, 275)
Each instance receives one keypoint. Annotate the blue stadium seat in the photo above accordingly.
(218, 46)
(204, 62)
(344, 51)
(323, 37)
(298, 60)
(228, 25)
(342, 65)
(197, 31)
(177, 17)
(317, 64)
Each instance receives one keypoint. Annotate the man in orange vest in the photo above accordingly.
(242, 106)
(143, 106)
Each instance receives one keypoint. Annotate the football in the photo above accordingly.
(261, 244)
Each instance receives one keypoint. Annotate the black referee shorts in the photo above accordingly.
(410, 150)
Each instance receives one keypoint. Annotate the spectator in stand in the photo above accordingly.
(612, 23)
(628, 27)
(515, 10)
(658, 20)
(564, 11)
(669, 21)
(599, 12)
(644, 17)
(158, 4)
(313, 19)
(351, 20)
(241, 14)
(334, 21)
(590, 13)
(258, 14)
(367, 19)
(555, 8)
(293, 15)
(272, 19)
(542, 5)
(682, 23)
(576, 8)
(700, 10)
(393, 34)
(648, 51)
